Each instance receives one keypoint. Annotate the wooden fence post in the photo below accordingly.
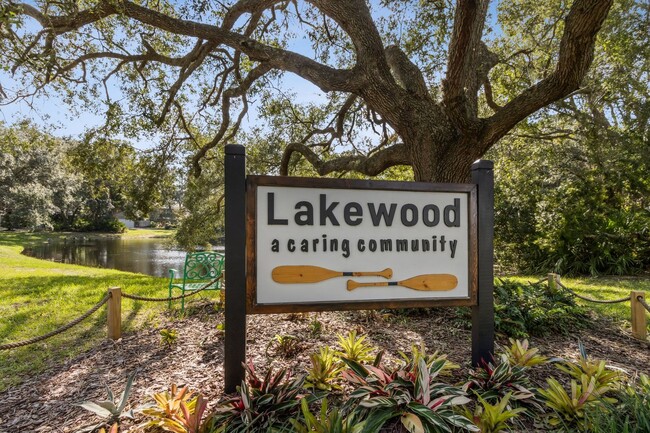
(553, 279)
(115, 313)
(638, 315)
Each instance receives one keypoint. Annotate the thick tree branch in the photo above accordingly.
(325, 77)
(464, 50)
(355, 19)
(405, 72)
(489, 97)
(65, 23)
(247, 7)
(368, 165)
(576, 54)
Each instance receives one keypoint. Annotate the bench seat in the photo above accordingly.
(200, 268)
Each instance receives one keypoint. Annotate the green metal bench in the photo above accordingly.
(200, 268)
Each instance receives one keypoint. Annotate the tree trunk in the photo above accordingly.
(437, 152)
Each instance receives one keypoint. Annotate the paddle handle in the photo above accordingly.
(306, 274)
(386, 273)
(426, 282)
(354, 284)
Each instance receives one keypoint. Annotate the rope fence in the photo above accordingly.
(113, 298)
(643, 302)
(170, 298)
(57, 331)
(597, 301)
(638, 304)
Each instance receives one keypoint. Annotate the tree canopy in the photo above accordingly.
(48, 182)
(407, 83)
(572, 186)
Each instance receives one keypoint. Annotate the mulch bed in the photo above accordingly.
(46, 402)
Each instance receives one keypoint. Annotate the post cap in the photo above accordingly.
(235, 149)
(483, 164)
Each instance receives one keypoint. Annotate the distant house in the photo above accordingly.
(162, 215)
(165, 215)
(124, 220)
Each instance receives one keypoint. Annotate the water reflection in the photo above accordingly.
(145, 256)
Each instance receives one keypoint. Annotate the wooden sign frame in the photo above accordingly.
(252, 184)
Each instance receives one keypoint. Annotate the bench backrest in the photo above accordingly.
(204, 265)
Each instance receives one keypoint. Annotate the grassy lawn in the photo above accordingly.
(606, 288)
(38, 296)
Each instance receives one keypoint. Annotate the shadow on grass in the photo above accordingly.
(32, 306)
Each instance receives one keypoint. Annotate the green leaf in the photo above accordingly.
(96, 409)
(412, 423)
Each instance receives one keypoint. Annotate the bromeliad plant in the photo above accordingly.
(176, 411)
(630, 414)
(597, 369)
(409, 392)
(325, 421)
(569, 409)
(354, 348)
(326, 367)
(114, 429)
(168, 403)
(493, 381)
(111, 409)
(492, 418)
(592, 384)
(519, 354)
(285, 346)
(168, 337)
(262, 404)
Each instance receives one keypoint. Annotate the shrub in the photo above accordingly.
(109, 225)
(523, 310)
(114, 226)
(630, 414)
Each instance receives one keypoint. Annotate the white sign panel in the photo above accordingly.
(341, 245)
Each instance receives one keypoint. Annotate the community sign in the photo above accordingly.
(331, 244)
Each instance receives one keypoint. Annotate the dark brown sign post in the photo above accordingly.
(309, 244)
(483, 311)
(235, 266)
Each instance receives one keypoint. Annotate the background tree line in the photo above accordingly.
(76, 184)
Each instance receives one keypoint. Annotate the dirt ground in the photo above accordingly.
(46, 402)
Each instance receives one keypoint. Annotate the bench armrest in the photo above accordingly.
(172, 274)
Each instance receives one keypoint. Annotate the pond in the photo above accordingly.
(148, 256)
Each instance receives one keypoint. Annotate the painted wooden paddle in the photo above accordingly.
(427, 282)
(313, 274)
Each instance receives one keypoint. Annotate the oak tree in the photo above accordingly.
(191, 67)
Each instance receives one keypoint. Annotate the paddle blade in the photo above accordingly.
(302, 274)
(431, 282)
